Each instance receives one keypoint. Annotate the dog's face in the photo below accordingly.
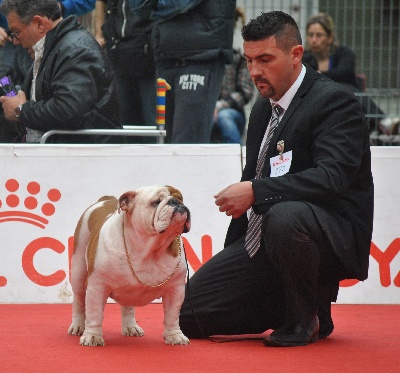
(156, 209)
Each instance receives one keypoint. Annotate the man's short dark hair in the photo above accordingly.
(27, 9)
(277, 24)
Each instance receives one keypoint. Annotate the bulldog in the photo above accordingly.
(130, 250)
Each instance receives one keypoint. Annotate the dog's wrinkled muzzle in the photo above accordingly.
(180, 208)
(172, 212)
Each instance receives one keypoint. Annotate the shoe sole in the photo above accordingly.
(271, 343)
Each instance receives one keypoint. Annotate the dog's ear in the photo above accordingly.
(175, 193)
(124, 200)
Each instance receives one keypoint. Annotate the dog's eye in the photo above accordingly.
(156, 202)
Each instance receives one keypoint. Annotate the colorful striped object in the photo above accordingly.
(162, 87)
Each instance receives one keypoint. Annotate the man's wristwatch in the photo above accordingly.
(17, 111)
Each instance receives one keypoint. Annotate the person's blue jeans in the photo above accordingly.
(230, 124)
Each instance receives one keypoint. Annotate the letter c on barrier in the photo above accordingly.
(30, 270)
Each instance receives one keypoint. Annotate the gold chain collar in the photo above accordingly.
(134, 273)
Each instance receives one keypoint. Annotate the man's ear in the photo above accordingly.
(297, 54)
(42, 24)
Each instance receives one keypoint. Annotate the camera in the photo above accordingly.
(7, 87)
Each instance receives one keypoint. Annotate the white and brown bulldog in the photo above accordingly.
(131, 251)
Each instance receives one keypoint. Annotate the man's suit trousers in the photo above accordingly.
(284, 283)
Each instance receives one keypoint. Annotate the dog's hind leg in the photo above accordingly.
(130, 327)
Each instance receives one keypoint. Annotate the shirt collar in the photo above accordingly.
(287, 98)
(38, 48)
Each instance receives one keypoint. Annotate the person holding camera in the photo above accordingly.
(71, 84)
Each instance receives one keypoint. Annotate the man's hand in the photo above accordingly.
(100, 39)
(235, 199)
(3, 37)
(11, 103)
(100, 18)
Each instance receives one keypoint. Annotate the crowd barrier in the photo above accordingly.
(45, 188)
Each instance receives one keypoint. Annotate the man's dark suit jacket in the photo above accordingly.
(324, 127)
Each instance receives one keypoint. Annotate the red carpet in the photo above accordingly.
(33, 338)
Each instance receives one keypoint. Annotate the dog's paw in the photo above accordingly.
(132, 331)
(76, 329)
(91, 340)
(177, 338)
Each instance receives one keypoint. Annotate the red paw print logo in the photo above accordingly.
(27, 208)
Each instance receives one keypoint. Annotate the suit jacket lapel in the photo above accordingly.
(289, 114)
(255, 139)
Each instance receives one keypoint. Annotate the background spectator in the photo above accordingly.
(71, 85)
(125, 32)
(15, 62)
(6, 47)
(236, 91)
(192, 42)
(325, 54)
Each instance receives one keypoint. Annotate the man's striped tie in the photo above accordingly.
(253, 235)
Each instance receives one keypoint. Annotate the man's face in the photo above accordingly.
(24, 34)
(272, 70)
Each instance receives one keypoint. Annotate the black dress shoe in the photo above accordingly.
(325, 326)
(325, 321)
(297, 335)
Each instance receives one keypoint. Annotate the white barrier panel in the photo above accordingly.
(44, 190)
(383, 283)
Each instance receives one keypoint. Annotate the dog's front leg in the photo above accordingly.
(96, 298)
(78, 283)
(78, 314)
(172, 302)
(130, 327)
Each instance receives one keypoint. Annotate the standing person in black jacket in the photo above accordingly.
(192, 42)
(71, 84)
(124, 31)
